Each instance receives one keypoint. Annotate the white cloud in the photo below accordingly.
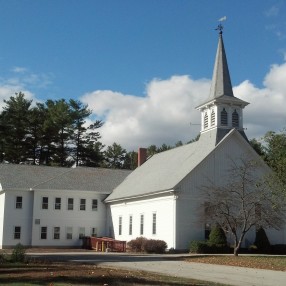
(165, 113)
(272, 11)
(25, 81)
(162, 116)
(19, 69)
(7, 90)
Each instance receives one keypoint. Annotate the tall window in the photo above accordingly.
(69, 232)
(45, 203)
(207, 230)
(81, 232)
(141, 224)
(82, 205)
(154, 223)
(58, 202)
(223, 117)
(120, 226)
(17, 232)
(44, 232)
(94, 205)
(235, 119)
(130, 224)
(206, 121)
(93, 232)
(212, 118)
(19, 201)
(70, 204)
(57, 232)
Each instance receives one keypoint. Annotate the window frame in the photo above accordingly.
(130, 224)
(46, 204)
(154, 223)
(57, 232)
(17, 232)
(120, 225)
(70, 206)
(94, 204)
(141, 224)
(43, 234)
(19, 204)
(93, 232)
(58, 205)
(81, 232)
(69, 232)
(82, 206)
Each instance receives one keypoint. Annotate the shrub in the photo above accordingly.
(137, 245)
(142, 244)
(261, 241)
(217, 237)
(18, 253)
(155, 246)
(197, 246)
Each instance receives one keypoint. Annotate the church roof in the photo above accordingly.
(164, 171)
(26, 177)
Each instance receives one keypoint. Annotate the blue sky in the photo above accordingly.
(143, 66)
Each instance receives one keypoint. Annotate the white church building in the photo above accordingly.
(51, 206)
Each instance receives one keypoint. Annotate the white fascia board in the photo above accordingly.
(171, 191)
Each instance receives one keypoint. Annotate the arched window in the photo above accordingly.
(206, 121)
(223, 117)
(212, 118)
(235, 119)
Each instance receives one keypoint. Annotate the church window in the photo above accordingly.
(44, 231)
(19, 201)
(17, 232)
(212, 118)
(45, 203)
(154, 223)
(141, 224)
(82, 204)
(58, 202)
(70, 204)
(81, 232)
(93, 232)
(130, 224)
(120, 226)
(94, 205)
(56, 232)
(223, 117)
(206, 121)
(235, 121)
(69, 232)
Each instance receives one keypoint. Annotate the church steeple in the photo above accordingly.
(222, 111)
(221, 83)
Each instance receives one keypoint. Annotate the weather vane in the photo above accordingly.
(220, 26)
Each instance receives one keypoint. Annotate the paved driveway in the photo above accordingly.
(173, 265)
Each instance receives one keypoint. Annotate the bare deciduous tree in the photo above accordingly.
(243, 202)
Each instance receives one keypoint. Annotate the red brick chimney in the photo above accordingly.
(142, 156)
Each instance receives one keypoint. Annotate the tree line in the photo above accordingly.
(54, 133)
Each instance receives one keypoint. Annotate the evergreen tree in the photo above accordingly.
(14, 128)
(217, 236)
(261, 240)
(115, 156)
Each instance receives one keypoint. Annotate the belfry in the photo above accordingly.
(222, 111)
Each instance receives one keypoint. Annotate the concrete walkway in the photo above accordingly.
(173, 265)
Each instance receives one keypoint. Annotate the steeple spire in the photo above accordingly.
(222, 111)
(221, 83)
